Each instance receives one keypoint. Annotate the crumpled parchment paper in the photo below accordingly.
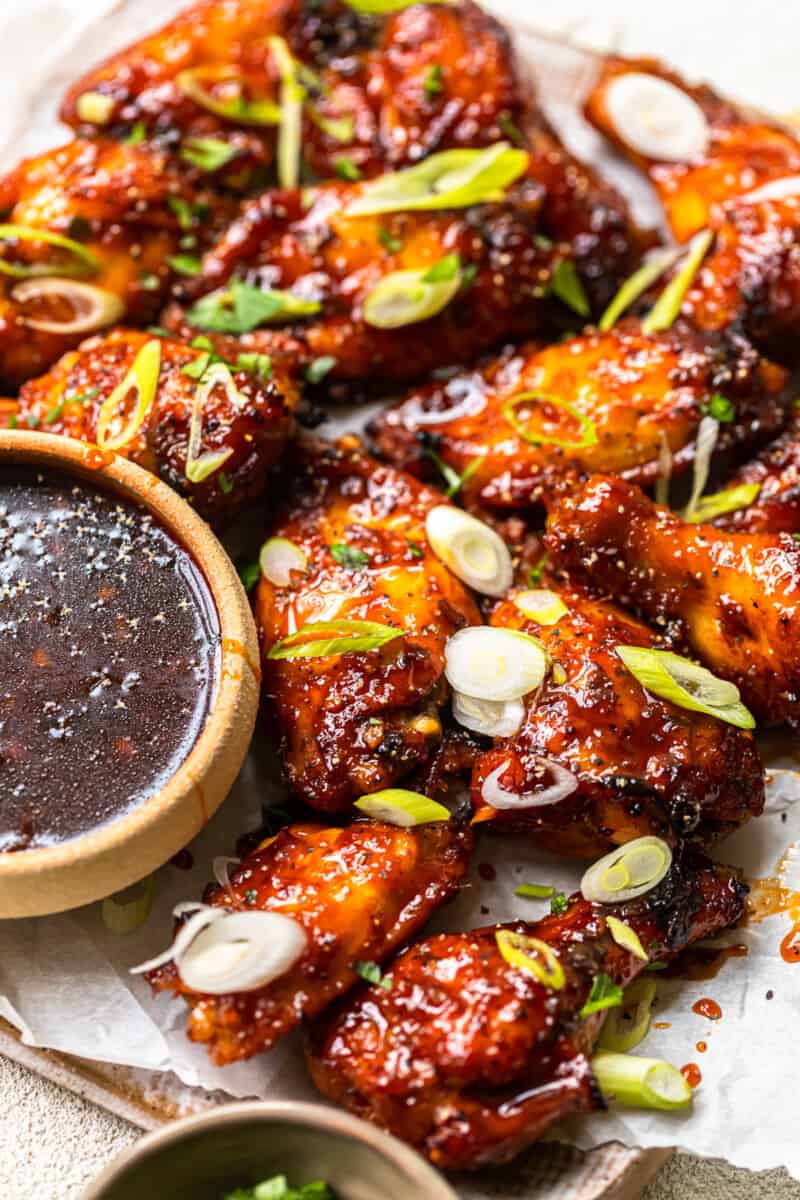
(64, 980)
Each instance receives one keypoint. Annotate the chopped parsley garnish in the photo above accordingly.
(182, 210)
(346, 169)
(535, 574)
(185, 264)
(389, 242)
(372, 973)
(242, 308)
(208, 154)
(349, 556)
(434, 83)
(720, 408)
(534, 891)
(414, 549)
(52, 416)
(319, 368)
(249, 573)
(566, 284)
(559, 904)
(604, 994)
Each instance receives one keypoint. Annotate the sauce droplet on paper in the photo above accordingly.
(701, 1047)
(707, 1008)
(790, 946)
(691, 1073)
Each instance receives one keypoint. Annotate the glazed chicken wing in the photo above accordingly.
(733, 597)
(354, 722)
(382, 91)
(774, 476)
(636, 764)
(471, 1059)
(251, 418)
(130, 213)
(617, 399)
(359, 894)
(743, 187)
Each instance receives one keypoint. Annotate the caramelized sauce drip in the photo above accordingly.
(701, 1047)
(691, 1073)
(707, 1008)
(109, 657)
(790, 946)
(770, 897)
(701, 963)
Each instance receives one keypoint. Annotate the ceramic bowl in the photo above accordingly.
(240, 1145)
(53, 878)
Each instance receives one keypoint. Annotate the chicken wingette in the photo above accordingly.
(354, 721)
(358, 893)
(536, 419)
(242, 410)
(739, 179)
(629, 762)
(732, 598)
(470, 1058)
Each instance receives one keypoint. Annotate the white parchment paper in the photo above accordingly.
(64, 980)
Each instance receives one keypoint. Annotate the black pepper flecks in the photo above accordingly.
(109, 654)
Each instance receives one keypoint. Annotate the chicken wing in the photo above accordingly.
(776, 473)
(252, 418)
(359, 893)
(733, 597)
(354, 722)
(130, 212)
(638, 764)
(383, 91)
(470, 1059)
(618, 399)
(744, 188)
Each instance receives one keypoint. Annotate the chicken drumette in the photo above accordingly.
(638, 764)
(534, 419)
(471, 1059)
(247, 410)
(354, 722)
(359, 894)
(733, 598)
(743, 187)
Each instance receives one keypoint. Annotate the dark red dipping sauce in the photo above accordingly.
(109, 656)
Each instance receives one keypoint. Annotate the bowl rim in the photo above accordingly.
(420, 1174)
(165, 822)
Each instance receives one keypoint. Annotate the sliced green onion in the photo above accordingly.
(566, 284)
(533, 956)
(454, 481)
(559, 904)
(707, 434)
(636, 286)
(86, 263)
(664, 470)
(245, 112)
(127, 910)
(92, 307)
(586, 427)
(371, 972)
(604, 994)
(349, 556)
(656, 119)
(279, 559)
(355, 636)
(720, 408)
(142, 378)
(627, 938)
(242, 308)
(534, 891)
(708, 508)
(492, 718)
(290, 133)
(201, 466)
(340, 129)
(541, 605)
(625, 1027)
(316, 371)
(686, 684)
(94, 108)
(450, 179)
(641, 1082)
(663, 313)
(406, 297)
(627, 872)
(396, 806)
(471, 549)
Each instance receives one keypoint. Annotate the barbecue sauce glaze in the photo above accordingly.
(109, 655)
